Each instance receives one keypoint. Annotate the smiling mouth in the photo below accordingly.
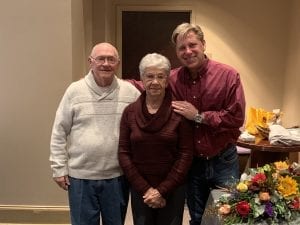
(190, 59)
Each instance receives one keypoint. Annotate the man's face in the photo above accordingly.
(190, 51)
(104, 62)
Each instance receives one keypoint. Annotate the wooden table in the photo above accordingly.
(263, 152)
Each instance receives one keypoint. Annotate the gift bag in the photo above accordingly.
(258, 120)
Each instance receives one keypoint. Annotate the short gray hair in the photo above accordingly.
(154, 60)
(183, 29)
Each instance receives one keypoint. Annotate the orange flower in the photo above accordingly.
(264, 196)
(224, 209)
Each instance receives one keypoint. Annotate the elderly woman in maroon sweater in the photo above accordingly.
(155, 149)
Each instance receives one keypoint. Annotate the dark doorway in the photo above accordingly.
(148, 32)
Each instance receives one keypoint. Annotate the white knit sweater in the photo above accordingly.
(85, 135)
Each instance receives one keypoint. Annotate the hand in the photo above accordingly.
(158, 203)
(62, 182)
(151, 194)
(153, 198)
(185, 109)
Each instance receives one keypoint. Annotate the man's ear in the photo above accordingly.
(204, 44)
(90, 62)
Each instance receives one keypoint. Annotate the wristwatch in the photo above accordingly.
(198, 118)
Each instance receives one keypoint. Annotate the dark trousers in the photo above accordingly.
(171, 214)
(204, 175)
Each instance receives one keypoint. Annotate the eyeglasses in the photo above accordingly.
(152, 77)
(101, 60)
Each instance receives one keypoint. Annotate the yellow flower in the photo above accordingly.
(287, 186)
(242, 187)
(281, 165)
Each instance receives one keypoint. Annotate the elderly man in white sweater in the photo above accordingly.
(84, 141)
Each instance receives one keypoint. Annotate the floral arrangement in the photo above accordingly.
(268, 194)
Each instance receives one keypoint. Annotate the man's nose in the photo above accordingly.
(105, 61)
(188, 50)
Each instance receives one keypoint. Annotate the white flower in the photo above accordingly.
(244, 177)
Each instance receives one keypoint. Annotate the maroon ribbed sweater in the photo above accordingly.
(155, 150)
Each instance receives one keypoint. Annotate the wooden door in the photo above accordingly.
(148, 32)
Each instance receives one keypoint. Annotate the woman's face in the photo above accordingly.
(155, 81)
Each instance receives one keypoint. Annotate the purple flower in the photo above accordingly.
(269, 209)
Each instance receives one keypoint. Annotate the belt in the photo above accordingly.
(207, 158)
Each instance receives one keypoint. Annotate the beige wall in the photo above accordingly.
(44, 45)
(36, 65)
(291, 93)
(242, 34)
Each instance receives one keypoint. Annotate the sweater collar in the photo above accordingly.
(153, 122)
(102, 92)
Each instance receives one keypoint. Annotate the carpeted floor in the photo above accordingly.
(129, 217)
(127, 222)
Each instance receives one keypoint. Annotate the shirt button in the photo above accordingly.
(194, 97)
(198, 142)
(194, 82)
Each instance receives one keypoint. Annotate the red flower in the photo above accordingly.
(243, 208)
(296, 203)
(259, 178)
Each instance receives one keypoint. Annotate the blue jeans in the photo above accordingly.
(204, 175)
(89, 199)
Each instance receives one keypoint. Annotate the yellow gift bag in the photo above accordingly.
(258, 121)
